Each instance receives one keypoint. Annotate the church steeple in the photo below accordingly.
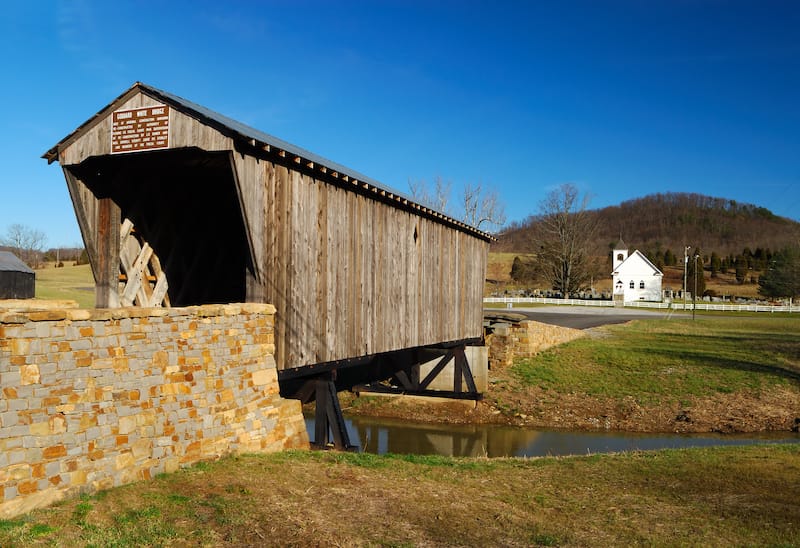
(620, 253)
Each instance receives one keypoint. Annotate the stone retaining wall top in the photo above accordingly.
(15, 315)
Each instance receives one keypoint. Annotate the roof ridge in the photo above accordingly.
(249, 133)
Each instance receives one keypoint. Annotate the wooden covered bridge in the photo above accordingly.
(179, 205)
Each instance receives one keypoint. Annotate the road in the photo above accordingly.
(581, 317)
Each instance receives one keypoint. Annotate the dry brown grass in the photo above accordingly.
(709, 497)
(723, 284)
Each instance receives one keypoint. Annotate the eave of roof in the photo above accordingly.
(11, 263)
(265, 141)
(641, 255)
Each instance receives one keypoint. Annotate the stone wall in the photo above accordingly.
(511, 340)
(97, 398)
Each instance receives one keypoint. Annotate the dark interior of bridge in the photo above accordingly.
(184, 203)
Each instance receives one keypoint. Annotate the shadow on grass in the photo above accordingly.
(692, 352)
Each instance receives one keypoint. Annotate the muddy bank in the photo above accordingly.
(777, 410)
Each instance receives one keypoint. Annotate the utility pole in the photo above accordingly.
(685, 266)
(694, 293)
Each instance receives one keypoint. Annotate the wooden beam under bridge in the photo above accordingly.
(393, 372)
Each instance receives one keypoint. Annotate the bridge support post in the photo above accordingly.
(329, 427)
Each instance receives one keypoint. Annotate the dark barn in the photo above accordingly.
(17, 280)
(179, 205)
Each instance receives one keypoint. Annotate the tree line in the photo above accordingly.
(28, 244)
(561, 237)
(673, 220)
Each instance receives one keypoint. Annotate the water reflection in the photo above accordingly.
(380, 436)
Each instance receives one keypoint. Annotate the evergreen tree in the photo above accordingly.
(748, 257)
(782, 278)
(669, 258)
(740, 265)
(760, 259)
(521, 270)
(657, 258)
(83, 258)
(716, 264)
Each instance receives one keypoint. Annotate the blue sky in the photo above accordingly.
(622, 99)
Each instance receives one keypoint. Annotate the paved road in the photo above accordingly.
(581, 317)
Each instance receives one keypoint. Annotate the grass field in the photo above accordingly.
(657, 359)
(693, 497)
(734, 373)
(722, 373)
(70, 282)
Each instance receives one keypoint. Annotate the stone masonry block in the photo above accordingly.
(106, 410)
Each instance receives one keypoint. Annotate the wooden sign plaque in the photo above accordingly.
(145, 128)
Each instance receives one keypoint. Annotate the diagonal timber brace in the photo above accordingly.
(407, 377)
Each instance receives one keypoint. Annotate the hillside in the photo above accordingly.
(673, 220)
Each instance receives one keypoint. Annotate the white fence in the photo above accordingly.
(678, 307)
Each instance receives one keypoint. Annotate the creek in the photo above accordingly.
(378, 435)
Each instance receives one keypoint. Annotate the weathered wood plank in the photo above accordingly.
(249, 176)
(282, 264)
(108, 224)
(85, 205)
(321, 311)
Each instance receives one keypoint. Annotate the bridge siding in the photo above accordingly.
(341, 266)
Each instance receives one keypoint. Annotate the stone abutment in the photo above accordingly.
(93, 399)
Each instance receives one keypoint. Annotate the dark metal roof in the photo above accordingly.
(11, 263)
(235, 128)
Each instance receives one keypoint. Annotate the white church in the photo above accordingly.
(634, 277)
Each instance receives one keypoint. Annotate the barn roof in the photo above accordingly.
(260, 139)
(10, 263)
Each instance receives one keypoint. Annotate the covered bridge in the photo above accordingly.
(179, 205)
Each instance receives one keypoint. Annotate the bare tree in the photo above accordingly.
(482, 206)
(476, 205)
(27, 243)
(437, 198)
(562, 237)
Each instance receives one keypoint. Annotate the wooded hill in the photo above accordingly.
(672, 221)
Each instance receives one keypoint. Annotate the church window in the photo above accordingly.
(641, 285)
(632, 286)
(620, 256)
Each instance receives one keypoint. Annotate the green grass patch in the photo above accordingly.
(81, 511)
(23, 533)
(74, 283)
(654, 360)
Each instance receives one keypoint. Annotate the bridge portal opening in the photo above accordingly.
(184, 204)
